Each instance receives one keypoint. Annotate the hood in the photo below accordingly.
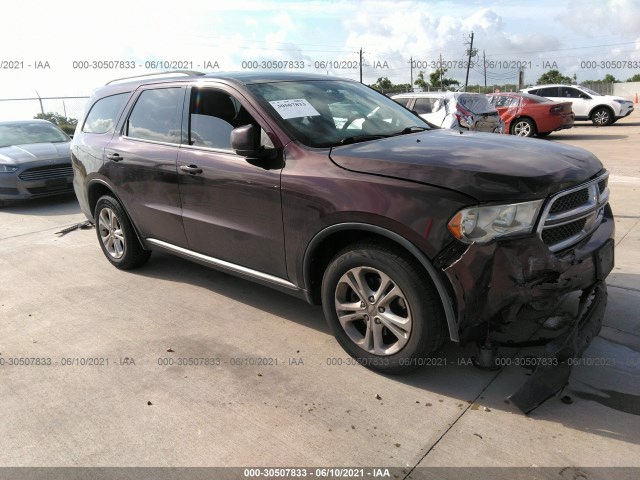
(615, 97)
(485, 166)
(17, 154)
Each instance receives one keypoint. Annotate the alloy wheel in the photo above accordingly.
(373, 311)
(111, 233)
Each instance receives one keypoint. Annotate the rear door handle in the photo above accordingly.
(192, 169)
(115, 157)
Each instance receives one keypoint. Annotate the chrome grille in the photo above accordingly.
(48, 172)
(553, 235)
(571, 215)
(571, 201)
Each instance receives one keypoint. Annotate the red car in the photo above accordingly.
(526, 115)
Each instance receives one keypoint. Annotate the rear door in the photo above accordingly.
(141, 161)
(231, 206)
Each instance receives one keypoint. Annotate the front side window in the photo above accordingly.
(212, 114)
(568, 92)
(156, 115)
(325, 113)
(104, 114)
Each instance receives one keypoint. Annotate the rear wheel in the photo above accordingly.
(116, 235)
(602, 117)
(381, 308)
(523, 127)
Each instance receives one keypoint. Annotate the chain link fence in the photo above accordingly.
(64, 110)
(601, 87)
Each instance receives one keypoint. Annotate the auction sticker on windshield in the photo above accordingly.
(294, 108)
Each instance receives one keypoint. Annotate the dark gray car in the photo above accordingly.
(35, 160)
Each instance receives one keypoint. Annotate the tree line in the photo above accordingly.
(438, 81)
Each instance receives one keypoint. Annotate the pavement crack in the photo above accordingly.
(477, 397)
(618, 242)
(630, 289)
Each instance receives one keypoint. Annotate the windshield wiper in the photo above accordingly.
(411, 129)
(361, 138)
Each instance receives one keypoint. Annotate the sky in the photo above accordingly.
(70, 48)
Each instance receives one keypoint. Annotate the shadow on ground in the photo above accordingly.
(612, 387)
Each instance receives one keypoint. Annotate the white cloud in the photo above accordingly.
(233, 31)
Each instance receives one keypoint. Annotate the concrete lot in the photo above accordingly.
(60, 299)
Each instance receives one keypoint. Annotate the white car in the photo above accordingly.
(458, 110)
(587, 105)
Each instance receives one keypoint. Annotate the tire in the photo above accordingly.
(116, 235)
(523, 127)
(602, 116)
(393, 333)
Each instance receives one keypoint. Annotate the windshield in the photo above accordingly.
(325, 113)
(25, 133)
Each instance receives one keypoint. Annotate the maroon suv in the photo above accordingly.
(325, 189)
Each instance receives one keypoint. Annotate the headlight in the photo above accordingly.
(7, 168)
(484, 224)
(622, 102)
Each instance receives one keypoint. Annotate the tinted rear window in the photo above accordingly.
(546, 92)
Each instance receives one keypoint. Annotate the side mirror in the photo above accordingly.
(585, 96)
(245, 141)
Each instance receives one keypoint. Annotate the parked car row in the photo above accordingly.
(536, 111)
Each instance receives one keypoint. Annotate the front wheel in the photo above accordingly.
(523, 127)
(602, 117)
(116, 235)
(382, 309)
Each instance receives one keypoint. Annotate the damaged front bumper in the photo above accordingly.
(509, 294)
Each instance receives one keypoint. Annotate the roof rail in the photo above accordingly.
(182, 72)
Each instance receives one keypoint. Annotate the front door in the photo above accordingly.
(231, 207)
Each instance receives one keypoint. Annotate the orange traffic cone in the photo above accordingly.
(635, 100)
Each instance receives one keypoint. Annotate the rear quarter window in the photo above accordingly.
(103, 116)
